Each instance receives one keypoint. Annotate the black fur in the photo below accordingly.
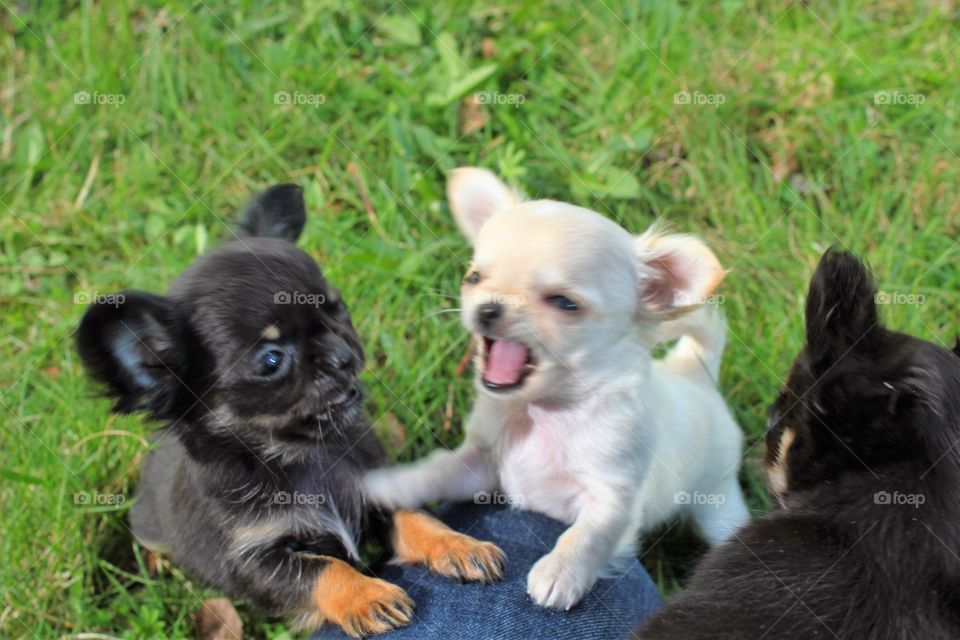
(866, 540)
(244, 444)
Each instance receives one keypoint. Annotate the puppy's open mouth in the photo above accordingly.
(506, 364)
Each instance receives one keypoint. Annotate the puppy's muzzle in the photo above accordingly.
(340, 358)
(488, 315)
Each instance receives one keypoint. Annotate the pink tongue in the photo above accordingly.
(505, 362)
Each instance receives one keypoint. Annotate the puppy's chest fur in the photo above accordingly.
(543, 456)
(316, 496)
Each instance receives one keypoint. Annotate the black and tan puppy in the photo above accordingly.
(251, 364)
(863, 458)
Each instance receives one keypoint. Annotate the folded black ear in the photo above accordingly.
(278, 212)
(841, 308)
(137, 344)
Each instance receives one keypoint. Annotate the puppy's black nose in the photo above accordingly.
(334, 354)
(488, 314)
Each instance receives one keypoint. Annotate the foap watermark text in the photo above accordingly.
(699, 99)
(899, 499)
(497, 498)
(685, 299)
(298, 297)
(899, 98)
(97, 499)
(496, 98)
(95, 297)
(299, 99)
(697, 498)
(295, 497)
(97, 98)
(899, 297)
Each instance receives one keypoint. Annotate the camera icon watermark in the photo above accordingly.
(699, 99)
(899, 499)
(95, 297)
(496, 98)
(97, 98)
(898, 98)
(497, 498)
(697, 498)
(899, 297)
(97, 499)
(299, 99)
(297, 297)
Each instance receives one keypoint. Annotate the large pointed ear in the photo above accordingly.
(278, 212)
(138, 345)
(675, 273)
(841, 309)
(475, 195)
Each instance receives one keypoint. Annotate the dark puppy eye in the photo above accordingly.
(473, 277)
(271, 361)
(562, 302)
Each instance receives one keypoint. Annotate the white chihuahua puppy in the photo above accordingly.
(575, 419)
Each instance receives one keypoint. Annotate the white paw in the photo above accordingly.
(557, 583)
(382, 488)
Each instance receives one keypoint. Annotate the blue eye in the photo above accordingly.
(270, 362)
(472, 278)
(562, 302)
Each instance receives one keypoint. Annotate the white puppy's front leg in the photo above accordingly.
(563, 576)
(443, 475)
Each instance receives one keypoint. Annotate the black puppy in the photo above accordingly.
(863, 458)
(251, 362)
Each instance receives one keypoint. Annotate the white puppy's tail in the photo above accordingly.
(703, 335)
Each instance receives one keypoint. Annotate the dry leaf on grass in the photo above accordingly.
(394, 431)
(465, 358)
(473, 116)
(218, 620)
(448, 410)
(488, 48)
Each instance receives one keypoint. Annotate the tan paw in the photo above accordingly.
(362, 606)
(422, 539)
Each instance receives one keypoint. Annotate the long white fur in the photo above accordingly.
(601, 436)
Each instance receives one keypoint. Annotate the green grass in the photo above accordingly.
(99, 197)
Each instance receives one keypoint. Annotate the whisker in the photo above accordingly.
(438, 313)
(441, 294)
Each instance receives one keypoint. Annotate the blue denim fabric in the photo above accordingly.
(502, 611)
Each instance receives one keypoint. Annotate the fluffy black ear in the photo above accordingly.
(841, 308)
(138, 345)
(278, 212)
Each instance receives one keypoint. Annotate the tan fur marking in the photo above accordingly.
(264, 532)
(421, 539)
(777, 473)
(359, 604)
(271, 333)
